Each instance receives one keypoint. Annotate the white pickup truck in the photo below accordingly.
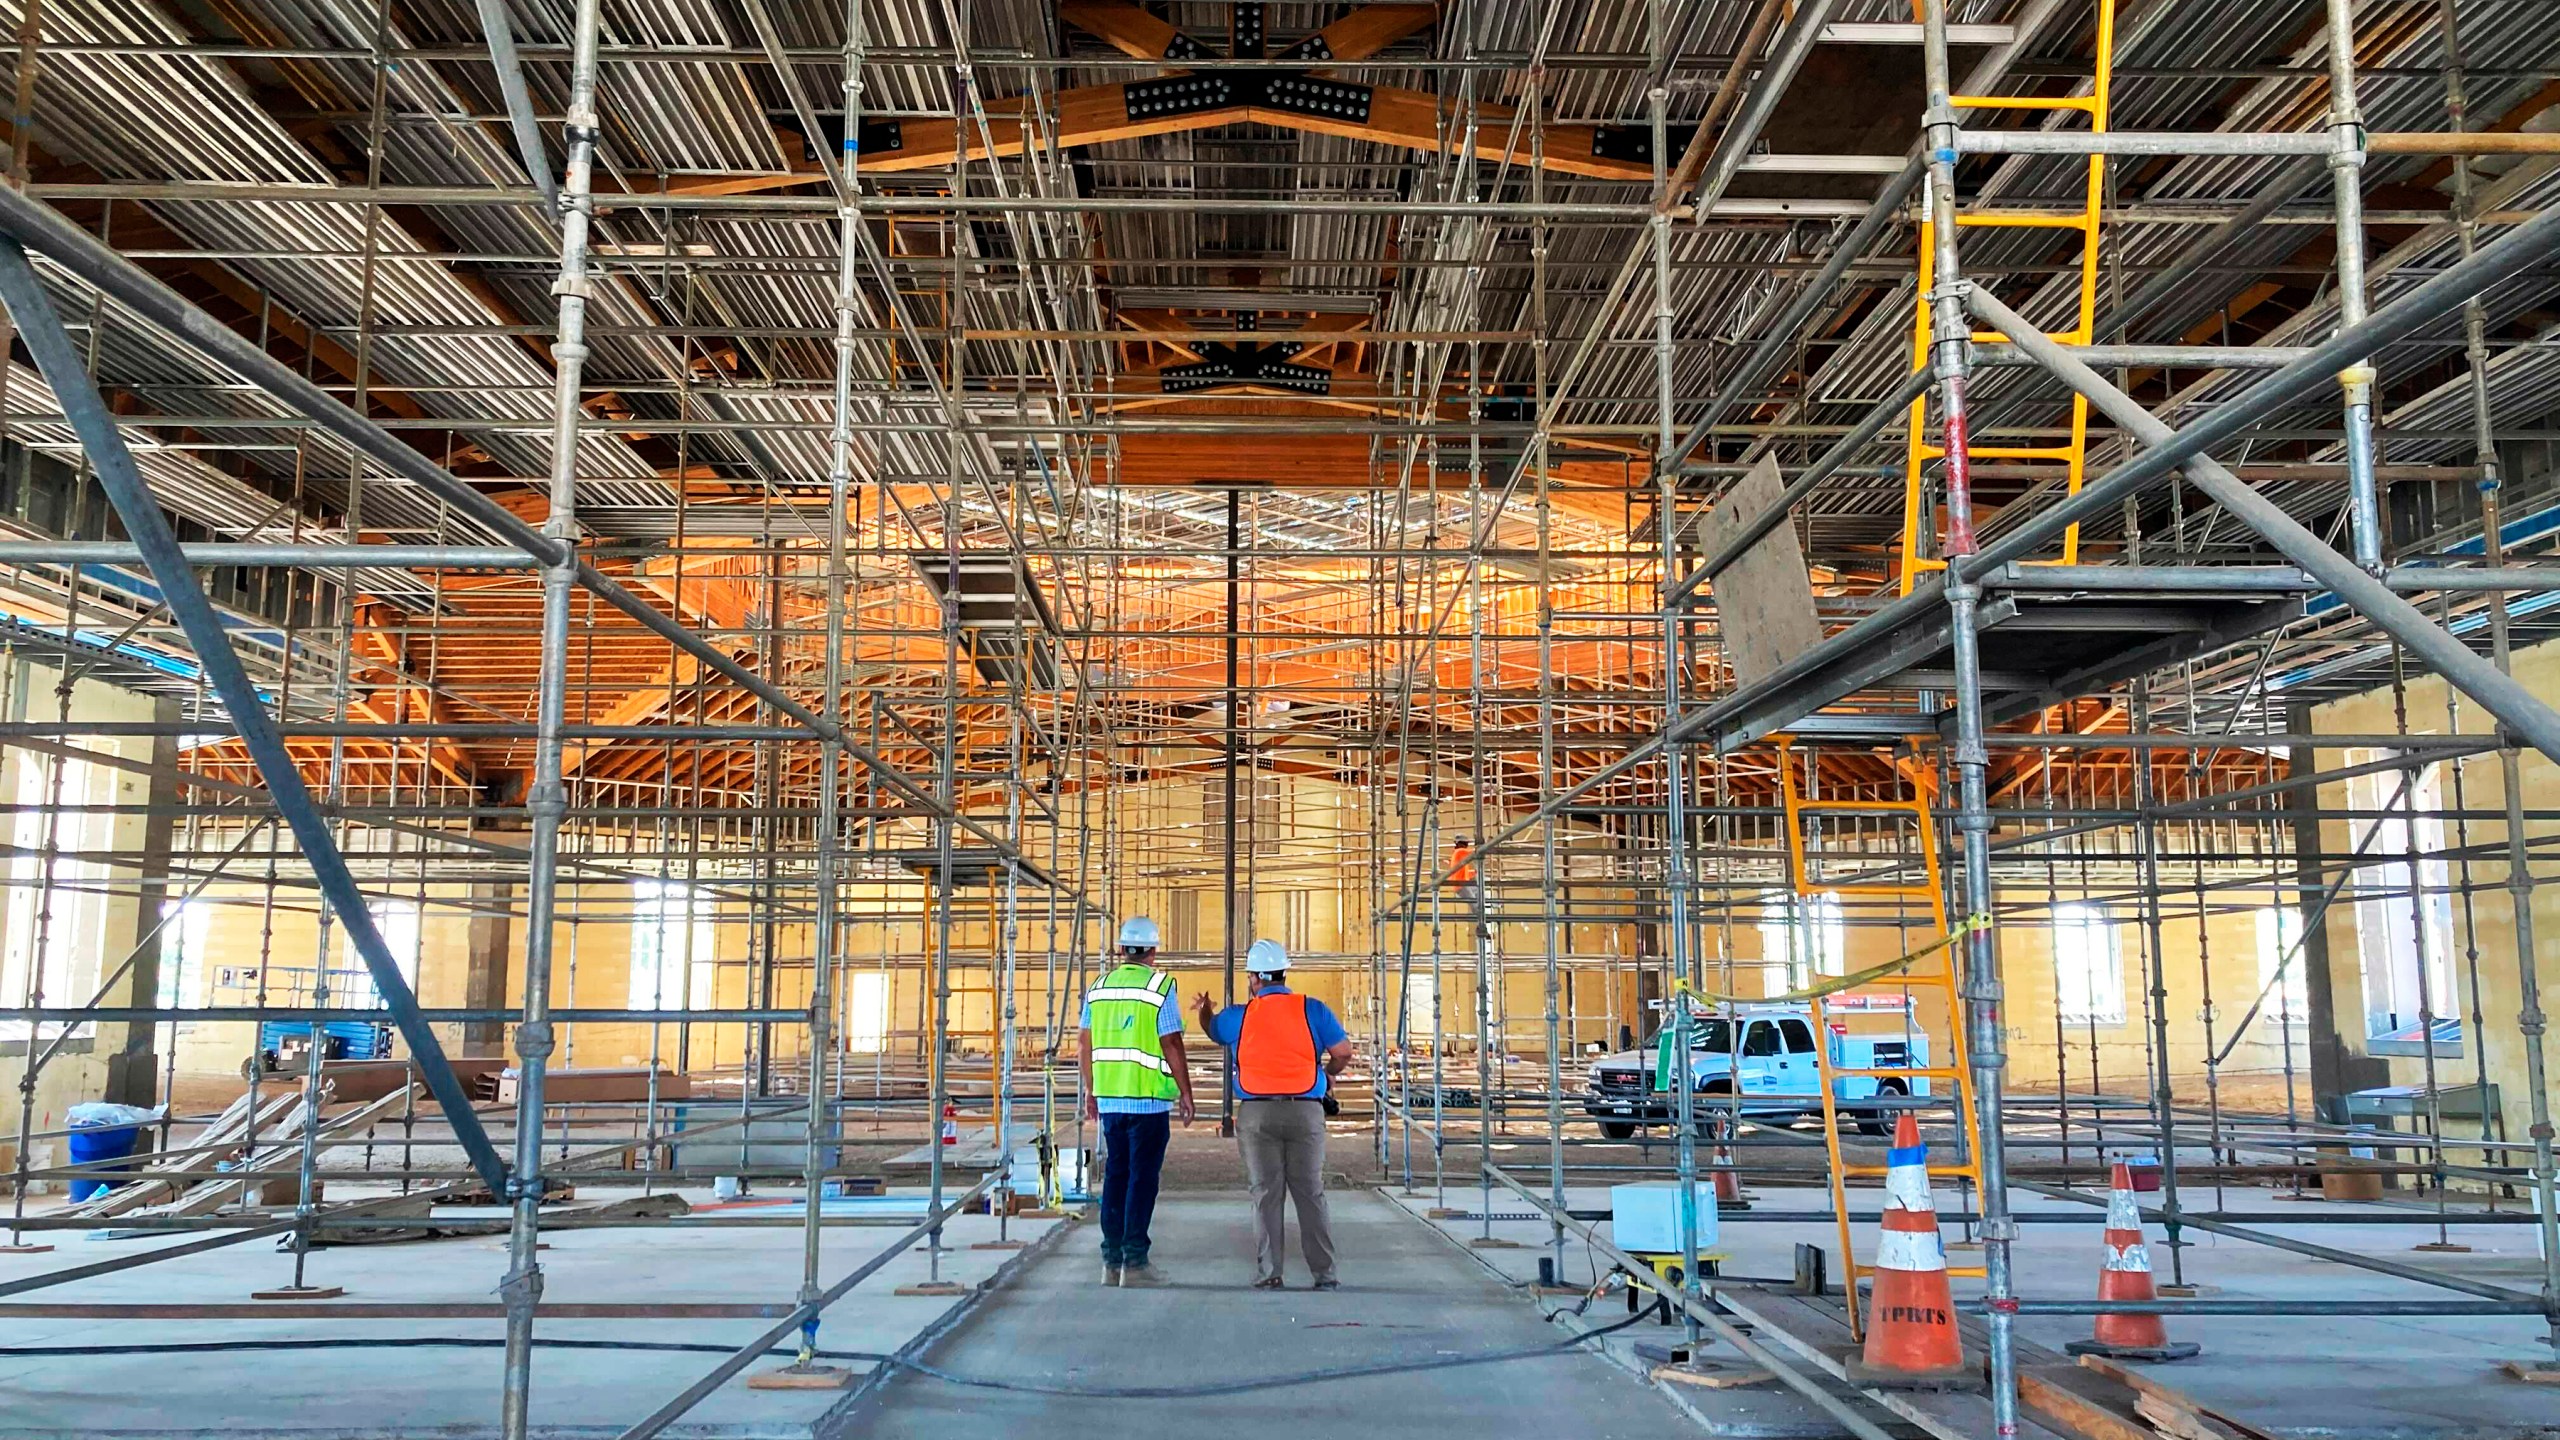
(1779, 1075)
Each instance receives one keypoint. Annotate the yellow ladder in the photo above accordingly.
(1917, 523)
(1935, 972)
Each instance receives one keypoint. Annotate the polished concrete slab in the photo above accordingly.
(1407, 1295)
(408, 1389)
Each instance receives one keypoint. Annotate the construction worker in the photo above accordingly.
(1462, 873)
(1288, 1049)
(1136, 1079)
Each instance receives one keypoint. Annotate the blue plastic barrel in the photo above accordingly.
(102, 1142)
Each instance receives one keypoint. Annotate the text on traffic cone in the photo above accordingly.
(1911, 1316)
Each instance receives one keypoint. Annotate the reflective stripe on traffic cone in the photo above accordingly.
(1729, 1194)
(1911, 1317)
(2125, 1274)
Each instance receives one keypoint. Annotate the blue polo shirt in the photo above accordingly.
(1227, 1028)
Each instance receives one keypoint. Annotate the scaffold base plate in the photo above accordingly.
(2148, 1354)
(1713, 1375)
(801, 1377)
(1853, 1367)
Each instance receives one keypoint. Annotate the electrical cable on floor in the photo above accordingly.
(1266, 1382)
(398, 1342)
(935, 1372)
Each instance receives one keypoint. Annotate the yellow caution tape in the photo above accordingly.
(1838, 983)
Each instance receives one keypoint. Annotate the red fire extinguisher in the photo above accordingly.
(950, 1123)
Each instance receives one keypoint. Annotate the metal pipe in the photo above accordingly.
(1877, 419)
(303, 557)
(499, 29)
(38, 226)
(1986, 1033)
(2222, 142)
(1778, 338)
(41, 331)
(2200, 357)
(2362, 1261)
(547, 800)
(2480, 679)
(1702, 1313)
(2356, 379)
(848, 307)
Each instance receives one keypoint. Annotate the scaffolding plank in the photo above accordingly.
(1764, 600)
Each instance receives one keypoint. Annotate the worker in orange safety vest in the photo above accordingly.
(1289, 1047)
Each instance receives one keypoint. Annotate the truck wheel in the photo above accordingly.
(1880, 1122)
(1617, 1130)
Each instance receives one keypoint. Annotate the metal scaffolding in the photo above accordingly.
(608, 494)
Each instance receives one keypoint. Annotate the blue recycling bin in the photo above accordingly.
(101, 1142)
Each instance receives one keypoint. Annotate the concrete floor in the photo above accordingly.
(2330, 1378)
(1406, 1293)
(377, 1394)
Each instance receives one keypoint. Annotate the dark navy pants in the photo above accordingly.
(1132, 1163)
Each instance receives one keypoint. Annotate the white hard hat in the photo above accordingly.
(1139, 933)
(1266, 957)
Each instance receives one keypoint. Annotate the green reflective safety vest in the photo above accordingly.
(1128, 1054)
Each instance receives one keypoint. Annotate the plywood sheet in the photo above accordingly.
(1764, 599)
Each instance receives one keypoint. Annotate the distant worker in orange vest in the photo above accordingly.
(1463, 858)
(1288, 1049)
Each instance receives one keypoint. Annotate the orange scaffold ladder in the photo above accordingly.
(1929, 973)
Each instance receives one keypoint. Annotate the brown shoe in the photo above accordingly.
(1111, 1276)
(1143, 1277)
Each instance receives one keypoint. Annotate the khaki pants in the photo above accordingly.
(1283, 1145)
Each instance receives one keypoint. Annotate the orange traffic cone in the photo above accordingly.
(2125, 1274)
(950, 1123)
(1911, 1317)
(1729, 1196)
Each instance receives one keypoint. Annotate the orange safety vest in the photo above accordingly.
(1465, 860)
(1276, 1050)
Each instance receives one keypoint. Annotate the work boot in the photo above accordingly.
(1111, 1275)
(1270, 1282)
(1143, 1277)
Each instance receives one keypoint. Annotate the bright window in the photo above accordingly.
(2400, 937)
(671, 947)
(71, 939)
(185, 926)
(2088, 973)
(1421, 1007)
(2279, 942)
(867, 1014)
(1806, 932)
(351, 983)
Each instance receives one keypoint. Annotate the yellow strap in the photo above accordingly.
(1850, 981)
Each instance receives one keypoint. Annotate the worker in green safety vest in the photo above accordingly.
(1136, 1079)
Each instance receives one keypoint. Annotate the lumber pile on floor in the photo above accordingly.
(165, 1179)
(2101, 1399)
(449, 1221)
(285, 1152)
(191, 1183)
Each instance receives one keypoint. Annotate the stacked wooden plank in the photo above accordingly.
(165, 1179)
(192, 1183)
(281, 1148)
